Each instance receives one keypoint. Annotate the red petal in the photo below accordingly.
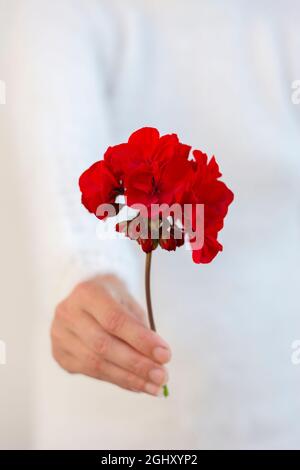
(208, 252)
(117, 158)
(213, 169)
(145, 139)
(183, 150)
(201, 157)
(98, 186)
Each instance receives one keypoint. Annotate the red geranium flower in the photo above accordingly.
(205, 188)
(152, 169)
(98, 185)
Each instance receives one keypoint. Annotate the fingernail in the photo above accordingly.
(158, 376)
(152, 389)
(161, 354)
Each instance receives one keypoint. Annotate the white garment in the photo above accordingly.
(85, 75)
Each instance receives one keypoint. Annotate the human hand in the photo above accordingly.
(99, 330)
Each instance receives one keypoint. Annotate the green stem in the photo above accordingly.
(149, 303)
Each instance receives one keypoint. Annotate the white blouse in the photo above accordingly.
(84, 75)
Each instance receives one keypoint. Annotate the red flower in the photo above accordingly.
(147, 244)
(98, 186)
(152, 169)
(205, 188)
(171, 242)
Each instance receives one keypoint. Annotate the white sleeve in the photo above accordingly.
(59, 69)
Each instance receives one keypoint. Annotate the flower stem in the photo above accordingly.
(148, 290)
(149, 303)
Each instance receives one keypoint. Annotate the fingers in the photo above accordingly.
(129, 381)
(117, 289)
(116, 321)
(64, 359)
(132, 361)
(101, 332)
(134, 307)
(79, 358)
(116, 351)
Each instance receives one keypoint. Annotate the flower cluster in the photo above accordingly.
(155, 173)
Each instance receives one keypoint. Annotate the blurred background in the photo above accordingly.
(82, 75)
